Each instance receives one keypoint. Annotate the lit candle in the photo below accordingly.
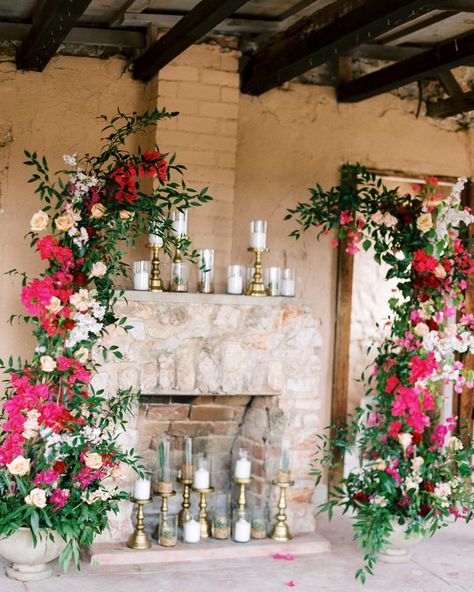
(258, 234)
(242, 530)
(202, 475)
(243, 465)
(142, 489)
(192, 531)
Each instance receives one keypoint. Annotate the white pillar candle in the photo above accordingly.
(242, 468)
(201, 479)
(235, 284)
(258, 234)
(192, 531)
(141, 280)
(242, 531)
(142, 489)
(155, 239)
(287, 287)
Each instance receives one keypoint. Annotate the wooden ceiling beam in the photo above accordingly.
(450, 84)
(419, 25)
(306, 47)
(52, 22)
(188, 30)
(442, 57)
(453, 106)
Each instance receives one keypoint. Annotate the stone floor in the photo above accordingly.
(442, 564)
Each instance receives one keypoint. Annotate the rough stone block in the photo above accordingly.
(171, 412)
(212, 413)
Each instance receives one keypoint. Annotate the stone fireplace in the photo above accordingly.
(230, 371)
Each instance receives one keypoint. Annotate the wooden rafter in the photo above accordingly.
(52, 22)
(311, 45)
(189, 29)
(418, 25)
(443, 57)
(452, 106)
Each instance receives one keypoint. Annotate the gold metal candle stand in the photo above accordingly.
(139, 538)
(256, 286)
(156, 283)
(280, 531)
(185, 514)
(164, 507)
(203, 519)
(242, 501)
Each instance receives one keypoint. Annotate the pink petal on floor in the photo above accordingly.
(278, 556)
(291, 584)
(289, 557)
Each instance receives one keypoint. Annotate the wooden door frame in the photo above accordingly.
(464, 404)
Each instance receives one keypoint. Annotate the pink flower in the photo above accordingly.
(345, 217)
(59, 497)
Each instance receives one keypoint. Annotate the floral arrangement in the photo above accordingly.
(60, 454)
(414, 464)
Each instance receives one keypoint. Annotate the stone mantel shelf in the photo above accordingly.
(226, 299)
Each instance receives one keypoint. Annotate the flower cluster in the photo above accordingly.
(415, 463)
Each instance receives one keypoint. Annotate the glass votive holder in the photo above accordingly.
(179, 225)
(221, 516)
(258, 234)
(271, 278)
(168, 530)
(192, 530)
(288, 281)
(179, 276)
(235, 279)
(202, 472)
(206, 271)
(241, 526)
(141, 275)
(259, 523)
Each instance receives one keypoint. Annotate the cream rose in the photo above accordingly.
(99, 269)
(377, 218)
(98, 211)
(39, 221)
(405, 439)
(20, 466)
(389, 220)
(117, 472)
(55, 305)
(417, 462)
(421, 329)
(379, 465)
(439, 272)
(64, 223)
(125, 214)
(36, 497)
(47, 364)
(93, 460)
(424, 222)
(454, 443)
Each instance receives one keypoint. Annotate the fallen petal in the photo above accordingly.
(291, 584)
(289, 557)
(278, 556)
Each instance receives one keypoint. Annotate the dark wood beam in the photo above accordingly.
(445, 56)
(452, 106)
(189, 29)
(458, 5)
(450, 84)
(308, 47)
(52, 21)
(389, 53)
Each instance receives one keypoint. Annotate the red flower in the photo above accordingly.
(395, 428)
(416, 438)
(424, 510)
(428, 486)
(391, 383)
(361, 497)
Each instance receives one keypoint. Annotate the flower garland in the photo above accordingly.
(60, 454)
(414, 465)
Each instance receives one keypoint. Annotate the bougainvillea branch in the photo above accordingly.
(60, 455)
(414, 464)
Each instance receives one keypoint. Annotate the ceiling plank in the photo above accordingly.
(52, 21)
(416, 26)
(304, 48)
(452, 106)
(445, 56)
(199, 21)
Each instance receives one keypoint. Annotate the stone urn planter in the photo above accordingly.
(398, 546)
(29, 563)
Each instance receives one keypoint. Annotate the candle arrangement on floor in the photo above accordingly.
(240, 525)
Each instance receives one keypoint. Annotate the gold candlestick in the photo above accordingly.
(164, 507)
(203, 519)
(139, 538)
(184, 515)
(256, 286)
(156, 283)
(242, 501)
(281, 531)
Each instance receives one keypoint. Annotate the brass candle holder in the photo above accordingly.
(256, 286)
(242, 500)
(281, 531)
(203, 518)
(184, 515)
(139, 538)
(164, 506)
(156, 283)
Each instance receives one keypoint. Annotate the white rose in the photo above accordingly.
(64, 223)
(82, 355)
(439, 272)
(20, 466)
(454, 443)
(39, 221)
(98, 211)
(54, 305)
(389, 220)
(36, 497)
(99, 269)
(405, 439)
(31, 426)
(421, 329)
(47, 364)
(442, 489)
(424, 223)
(417, 462)
(93, 460)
